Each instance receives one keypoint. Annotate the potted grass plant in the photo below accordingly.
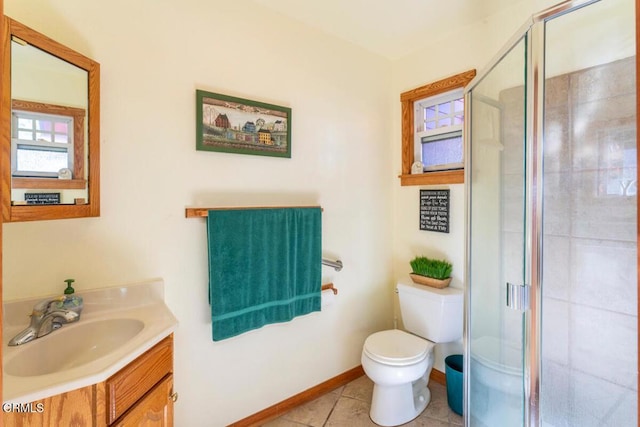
(431, 272)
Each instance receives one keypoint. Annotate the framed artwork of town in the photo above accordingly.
(235, 125)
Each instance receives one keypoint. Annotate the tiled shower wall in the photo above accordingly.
(589, 307)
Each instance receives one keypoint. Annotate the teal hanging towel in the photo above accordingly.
(264, 267)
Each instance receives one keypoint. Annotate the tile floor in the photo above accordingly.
(349, 406)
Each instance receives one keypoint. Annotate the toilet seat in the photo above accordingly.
(397, 348)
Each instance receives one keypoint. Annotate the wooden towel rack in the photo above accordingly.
(204, 212)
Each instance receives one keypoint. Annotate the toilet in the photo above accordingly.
(399, 363)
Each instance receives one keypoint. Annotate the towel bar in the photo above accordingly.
(330, 286)
(204, 212)
(337, 264)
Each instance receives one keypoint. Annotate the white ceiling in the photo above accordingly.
(391, 28)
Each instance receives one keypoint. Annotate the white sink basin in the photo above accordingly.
(72, 346)
(117, 325)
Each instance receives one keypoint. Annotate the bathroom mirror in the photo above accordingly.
(50, 128)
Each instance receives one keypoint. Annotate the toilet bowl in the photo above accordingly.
(399, 363)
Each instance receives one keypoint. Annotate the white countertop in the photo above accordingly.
(141, 301)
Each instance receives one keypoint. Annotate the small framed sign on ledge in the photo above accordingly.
(42, 198)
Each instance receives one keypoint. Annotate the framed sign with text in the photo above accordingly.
(434, 210)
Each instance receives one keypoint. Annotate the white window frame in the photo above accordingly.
(421, 133)
(35, 144)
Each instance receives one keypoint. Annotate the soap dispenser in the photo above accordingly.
(69, 301)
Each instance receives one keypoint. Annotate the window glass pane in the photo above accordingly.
(40, 160)
(431, 125)
(61, 127)
(458, 119)
(25, 123)
(430, 112)
(44, 125)
(444, 122)
(458, 105)
(43, 136)
(26, 135)
(444, 108)
(61, 138)
(442, 151)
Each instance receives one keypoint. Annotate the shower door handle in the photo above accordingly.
(517, 296)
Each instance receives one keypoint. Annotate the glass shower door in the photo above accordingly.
(552, 189)
(589, 288)
(496, 178)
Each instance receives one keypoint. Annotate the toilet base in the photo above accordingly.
(399, 404)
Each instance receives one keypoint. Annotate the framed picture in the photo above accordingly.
(235, 125)
(434, 210)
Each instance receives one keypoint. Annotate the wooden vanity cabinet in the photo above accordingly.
(140, 394)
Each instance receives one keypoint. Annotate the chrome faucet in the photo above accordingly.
(47, 316)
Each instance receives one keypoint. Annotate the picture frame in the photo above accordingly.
(235, 125)
(435, 206)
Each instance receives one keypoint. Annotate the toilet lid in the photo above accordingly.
(396, 347)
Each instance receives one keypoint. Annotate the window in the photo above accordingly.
(438, 123)
(432, 124)
(42, 144)
(45, 139)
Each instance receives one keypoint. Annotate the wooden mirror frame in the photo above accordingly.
(16, 213)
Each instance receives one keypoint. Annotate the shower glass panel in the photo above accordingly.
(589, 301)
(496, 172)
(552, 190)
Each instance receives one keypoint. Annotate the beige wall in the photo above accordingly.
(153, 57)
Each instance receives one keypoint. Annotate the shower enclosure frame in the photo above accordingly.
(533, 31)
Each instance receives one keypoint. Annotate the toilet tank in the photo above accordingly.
(434, 314)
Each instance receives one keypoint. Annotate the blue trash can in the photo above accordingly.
(453, 372)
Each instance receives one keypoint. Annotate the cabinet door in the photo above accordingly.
(155, 409)
(74, 408)
(130, 384)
